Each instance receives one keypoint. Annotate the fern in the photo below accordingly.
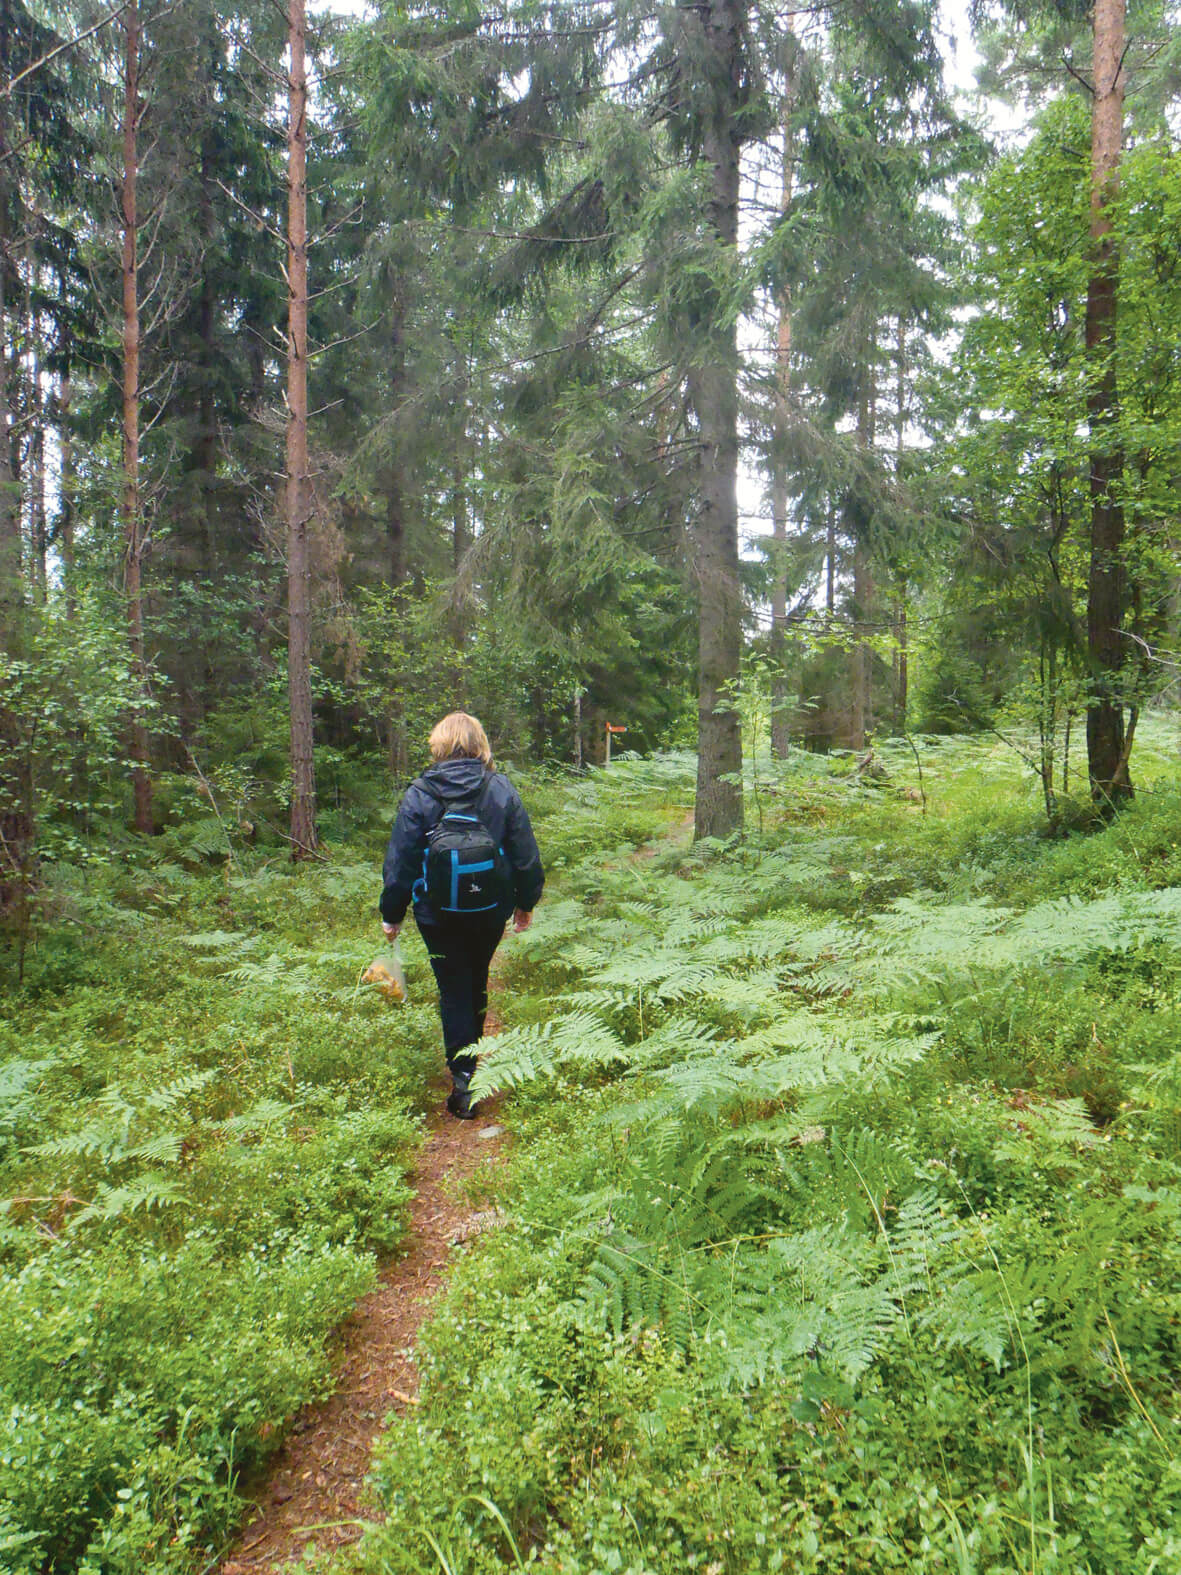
(216, 940)
(174, 1093)
(521, 1054)
(267, 1112)
(917, 944)
(829, 1291)
(276, 973)
(120, 1138)
(148, 1192)
(18, 1078)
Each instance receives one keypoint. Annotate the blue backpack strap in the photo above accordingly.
(418, 890)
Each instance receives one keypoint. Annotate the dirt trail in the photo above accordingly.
(316, 1478)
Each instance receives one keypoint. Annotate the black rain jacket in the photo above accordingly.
(458, 781)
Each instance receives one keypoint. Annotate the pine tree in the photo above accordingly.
(41, 151)
(298, 501)
(133, 523)
(1108, 743)
(863, 249)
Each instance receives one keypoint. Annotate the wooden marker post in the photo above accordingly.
(612, 728)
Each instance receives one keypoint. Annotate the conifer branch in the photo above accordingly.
(58, 49)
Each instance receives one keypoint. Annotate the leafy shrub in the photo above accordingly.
(205, 1129)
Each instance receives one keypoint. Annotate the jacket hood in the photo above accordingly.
(457, 778)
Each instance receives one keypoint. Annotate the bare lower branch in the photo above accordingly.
(68, 43)
(346, 339)
(260, 221)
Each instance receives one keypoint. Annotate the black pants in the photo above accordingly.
(461, 952)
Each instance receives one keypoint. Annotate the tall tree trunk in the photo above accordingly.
(861, 697)
(901, 659)
(713, 384)
(395, 524)
(11, 590)
(66, 485)
(17, 847)
(461, 532)
(64, 529)
(830, 560)
(299, 656)
(460, 541)
(203, 454)
(204, 457)
(133, 533)
(393, 482)
(861, 691)
(901, 663)
(38, 566)
(1107, 749)
(16, 822)
(780, 720)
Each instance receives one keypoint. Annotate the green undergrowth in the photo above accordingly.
(205, 1127)
(842, 1227)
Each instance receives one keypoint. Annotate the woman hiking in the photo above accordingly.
(463, 851)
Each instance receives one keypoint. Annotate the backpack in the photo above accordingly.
(464, 870)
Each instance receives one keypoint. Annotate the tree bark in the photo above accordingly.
(38, 566)
(65, 518)
(780, 720)
(133, 534)
(395, 491)
(861, 697)
(17, 831)
(901, 660)
(11, 590)
(713, 386)
(1107, 591)
(460, 542)
(861, 708)
(299, 659)
(830, 562)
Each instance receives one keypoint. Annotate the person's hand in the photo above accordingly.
(522, 919)
(391, 931)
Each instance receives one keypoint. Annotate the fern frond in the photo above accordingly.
(522, 1054)
(171, 1095)
(162, 1149)
(148, 1192)
(263, 1114)
(276, 972)
(214, 940)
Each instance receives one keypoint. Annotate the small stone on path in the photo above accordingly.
(489, 1132)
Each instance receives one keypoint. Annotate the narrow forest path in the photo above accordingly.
(312, 1492)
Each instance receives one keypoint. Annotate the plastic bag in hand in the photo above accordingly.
(388, 974)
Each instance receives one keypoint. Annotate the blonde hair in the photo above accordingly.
(460, 734)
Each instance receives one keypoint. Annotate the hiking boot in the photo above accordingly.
(459, 1103)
